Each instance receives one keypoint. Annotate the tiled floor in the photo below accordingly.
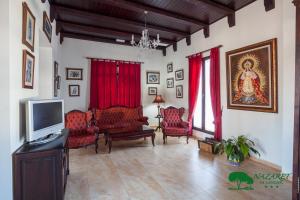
(136, 170)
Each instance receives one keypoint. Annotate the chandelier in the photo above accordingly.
(145, 41)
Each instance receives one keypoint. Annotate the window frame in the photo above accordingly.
(202, 79)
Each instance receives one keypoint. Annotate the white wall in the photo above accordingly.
(17, 93)
(12, 93)
(272, 132)
(5, 158)
(74, 53)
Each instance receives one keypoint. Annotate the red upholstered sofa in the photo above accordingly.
(119, 117)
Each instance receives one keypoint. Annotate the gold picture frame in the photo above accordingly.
(252, 77)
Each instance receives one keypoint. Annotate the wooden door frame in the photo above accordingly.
(296, 149)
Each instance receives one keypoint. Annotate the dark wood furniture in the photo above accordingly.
(159, 125)
(40, 171)
(296, 146)
(116, 134)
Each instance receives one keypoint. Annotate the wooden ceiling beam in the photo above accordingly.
(188, 40)
(142, 7)
(57, 10)
(101, 30)
(269, 4)
(217, 6)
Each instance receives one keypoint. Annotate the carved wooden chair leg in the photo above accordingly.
(187, 138)
(164, 138)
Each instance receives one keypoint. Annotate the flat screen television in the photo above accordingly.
(43, 118)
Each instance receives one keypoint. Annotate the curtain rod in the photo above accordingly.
(114, 60)
(204, 51)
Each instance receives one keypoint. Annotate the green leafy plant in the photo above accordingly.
(237, 149)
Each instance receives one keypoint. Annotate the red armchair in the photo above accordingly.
(81, 131)
(172, 124)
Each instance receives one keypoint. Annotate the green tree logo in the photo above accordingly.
(242, 179)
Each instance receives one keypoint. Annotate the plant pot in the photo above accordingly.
(234, 163)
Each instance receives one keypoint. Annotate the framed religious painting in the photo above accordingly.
(252, 77)
(74, 73)
(47, 27)
(28, 70)
(153, 77)
(28, 27)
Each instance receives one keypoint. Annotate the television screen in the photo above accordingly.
(46, 114)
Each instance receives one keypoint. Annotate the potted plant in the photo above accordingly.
(237, 149)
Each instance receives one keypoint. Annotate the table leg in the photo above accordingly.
(152, 138)
(109, 144)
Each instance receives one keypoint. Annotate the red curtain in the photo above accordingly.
(215, 91)
(115, 84)
(195, 64)
(103, 89)
(129, 85)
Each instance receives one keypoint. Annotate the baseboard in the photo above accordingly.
(267, 163)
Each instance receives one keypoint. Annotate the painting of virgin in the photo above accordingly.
(252, 77)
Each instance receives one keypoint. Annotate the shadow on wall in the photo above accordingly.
(22, 116)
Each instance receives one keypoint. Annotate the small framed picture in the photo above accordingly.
(74, 73)
(28, 70)
(170, 67)
(179, 75)
(179, 91)
(153, 77)
(55, 78)
(58, 82)
(47, 27)
(28, 27)
(74, 90)
(170, 82)
(152, 90)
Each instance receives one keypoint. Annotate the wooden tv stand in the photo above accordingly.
(40, 171)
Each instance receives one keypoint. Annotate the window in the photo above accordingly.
(203, 117)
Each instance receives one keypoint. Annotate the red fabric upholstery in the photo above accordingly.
(80, 133)
(120, 117)
(172, 124)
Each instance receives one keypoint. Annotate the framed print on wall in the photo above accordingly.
(170, 82)
(55, 78)
(28, 27)
(152, 90)
(153, 77)
(74, 73)
(74, 90)
(179, 91)
(170, 67)
(179, 75)
(47, 27)
(27, 70)
(252, 77)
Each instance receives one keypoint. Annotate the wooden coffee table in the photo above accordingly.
(118, 134)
